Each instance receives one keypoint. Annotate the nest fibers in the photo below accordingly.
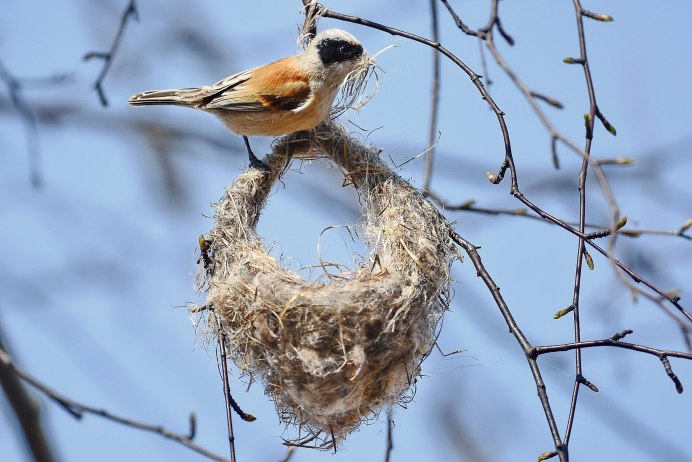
(331, 355)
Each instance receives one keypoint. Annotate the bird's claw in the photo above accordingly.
(258, 164)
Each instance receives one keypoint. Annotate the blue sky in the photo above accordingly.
(98, 265)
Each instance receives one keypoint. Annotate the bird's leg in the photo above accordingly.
(254, 161)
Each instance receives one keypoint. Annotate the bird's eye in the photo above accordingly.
(344, 49)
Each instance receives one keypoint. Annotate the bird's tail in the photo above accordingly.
(183, 97)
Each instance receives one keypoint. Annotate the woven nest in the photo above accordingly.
(333, 354)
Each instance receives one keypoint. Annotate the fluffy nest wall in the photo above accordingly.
(331, 355)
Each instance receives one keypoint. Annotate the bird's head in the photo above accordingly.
(335, 53)
(337, 59)
(336, 46)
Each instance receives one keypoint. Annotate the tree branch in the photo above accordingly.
(130, 12)
(77, 410)
(472, 252)
(615, 342)
(435, 100)
(27, 409)
(390, 440)
(29, 121)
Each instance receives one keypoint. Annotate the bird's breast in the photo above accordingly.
(281, 122)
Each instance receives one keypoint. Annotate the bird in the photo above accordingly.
(289, 95)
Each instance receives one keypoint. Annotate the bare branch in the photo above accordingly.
(27, 408)
(227, 394)
(130, 12)
(582, 254)
(29, 121)
(603, 230)
(230, 402)
(77, 410)
(600, 175)
(615, 342)
(390, 440)
(508, 163)
(472, 252)
(435, 100)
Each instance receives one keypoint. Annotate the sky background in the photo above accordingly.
(98, 264)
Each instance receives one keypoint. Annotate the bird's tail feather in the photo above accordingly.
(183, 97)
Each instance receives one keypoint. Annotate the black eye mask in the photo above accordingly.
(337, 50)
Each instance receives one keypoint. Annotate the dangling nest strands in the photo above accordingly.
(331, 355)
(352, 94)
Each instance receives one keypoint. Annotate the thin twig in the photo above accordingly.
(589, 122)
(484, 63)
(390, 440)
(600, 175)
(77, 410)
(472, 252)
(27, 408)
(615, 342)
(130, 12)
(227, 395)
(204, 247)
(602, 230)
(596, 164)
(611, 342)
(435, 100)
(460, 24)
(230, 402)
(673, 300)
(508, 163)
(14, 86)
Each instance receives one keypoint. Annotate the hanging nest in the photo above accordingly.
(333, 354)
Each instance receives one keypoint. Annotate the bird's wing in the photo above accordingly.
(275, 87)
(196, 97)
(207, 95)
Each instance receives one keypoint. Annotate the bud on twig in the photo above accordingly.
(597, 16)
(605, 123)
(563, 312)
(618, 161)
(547, 455)
(625, 160)
(552, 101)
(589, 126)
(589, 260)
(632, 233)
(685, 226)
(581, 379)
(193, 426)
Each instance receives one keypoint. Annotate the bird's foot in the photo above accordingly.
(254, 161)
(258, 164)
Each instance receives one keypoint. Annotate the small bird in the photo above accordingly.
(289, 95)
